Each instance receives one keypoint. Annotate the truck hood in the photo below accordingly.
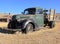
(25, 16)
(22, 17)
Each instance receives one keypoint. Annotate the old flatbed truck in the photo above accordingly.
(31, 19)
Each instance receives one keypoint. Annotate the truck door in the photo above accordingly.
(39, 18)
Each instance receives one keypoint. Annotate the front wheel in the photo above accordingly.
(29, 28)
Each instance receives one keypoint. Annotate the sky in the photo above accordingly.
(18, 6)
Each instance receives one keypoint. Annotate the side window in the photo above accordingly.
(39, 11)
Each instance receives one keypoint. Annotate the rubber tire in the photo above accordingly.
(51, 24)
(26, 30)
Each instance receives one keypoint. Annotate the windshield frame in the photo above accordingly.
(30, 11)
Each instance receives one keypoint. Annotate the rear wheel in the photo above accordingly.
(51, 24)
(29, 28)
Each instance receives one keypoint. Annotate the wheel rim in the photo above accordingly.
(30, 27)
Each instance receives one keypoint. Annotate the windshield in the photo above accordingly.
(30, 11)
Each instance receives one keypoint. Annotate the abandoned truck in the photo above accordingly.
(32, 18)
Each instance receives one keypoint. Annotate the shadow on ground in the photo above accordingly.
(6, 31)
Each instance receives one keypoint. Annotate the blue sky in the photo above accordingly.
(17, 6)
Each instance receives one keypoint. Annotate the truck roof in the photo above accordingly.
(35, 7)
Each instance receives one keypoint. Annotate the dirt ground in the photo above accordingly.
(3, 24)
(43, 36)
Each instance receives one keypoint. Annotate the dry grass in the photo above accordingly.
(3, 24)
(43, 36)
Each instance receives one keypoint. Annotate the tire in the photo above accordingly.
(51, 24)
(29, 28)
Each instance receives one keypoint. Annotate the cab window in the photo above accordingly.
(39, 11)
(30, 11)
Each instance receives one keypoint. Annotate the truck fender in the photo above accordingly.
(26, 22)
